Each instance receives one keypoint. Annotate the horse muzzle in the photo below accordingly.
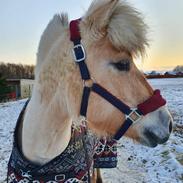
(159, 130)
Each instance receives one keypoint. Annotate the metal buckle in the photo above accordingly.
(134, 116)
(77, 48)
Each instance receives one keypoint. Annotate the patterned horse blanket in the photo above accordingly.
(74, 165)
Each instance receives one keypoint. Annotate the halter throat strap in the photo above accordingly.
(131, 115)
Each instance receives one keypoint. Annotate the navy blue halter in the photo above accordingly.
(131, 115)
(80, 57)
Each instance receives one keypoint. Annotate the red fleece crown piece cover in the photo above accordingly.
(74, 30)
(152, 104)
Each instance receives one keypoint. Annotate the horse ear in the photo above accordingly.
(98, 14)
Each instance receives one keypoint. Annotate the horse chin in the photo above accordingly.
(149, 139)
(148, 143)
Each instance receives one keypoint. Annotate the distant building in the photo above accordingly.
(26, 86)
(22, 87)
(154, 73)
(179, 73)
(169, 73)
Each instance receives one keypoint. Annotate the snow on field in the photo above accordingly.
(137, 164)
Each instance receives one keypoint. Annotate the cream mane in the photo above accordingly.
(122, 24)
(53, 31)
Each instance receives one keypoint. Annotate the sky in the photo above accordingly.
(23, 21)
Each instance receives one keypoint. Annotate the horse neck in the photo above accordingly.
(46, 129)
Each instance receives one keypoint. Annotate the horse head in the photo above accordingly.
(113, 35)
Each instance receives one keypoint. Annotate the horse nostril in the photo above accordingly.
(170, 127)
(151, 136)
(155, 139)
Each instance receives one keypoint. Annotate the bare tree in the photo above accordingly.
(17, 71)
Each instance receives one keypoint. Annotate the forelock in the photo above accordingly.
(127, 30)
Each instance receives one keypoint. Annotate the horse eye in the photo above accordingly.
(122, 65)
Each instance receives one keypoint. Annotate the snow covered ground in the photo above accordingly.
(137, 164)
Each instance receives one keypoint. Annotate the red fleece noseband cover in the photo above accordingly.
(152, 104)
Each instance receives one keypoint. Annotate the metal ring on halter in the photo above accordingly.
(88, 83)
(134, 116)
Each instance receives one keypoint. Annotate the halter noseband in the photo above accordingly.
(131, 115)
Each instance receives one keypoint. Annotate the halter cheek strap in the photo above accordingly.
(131, 115)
